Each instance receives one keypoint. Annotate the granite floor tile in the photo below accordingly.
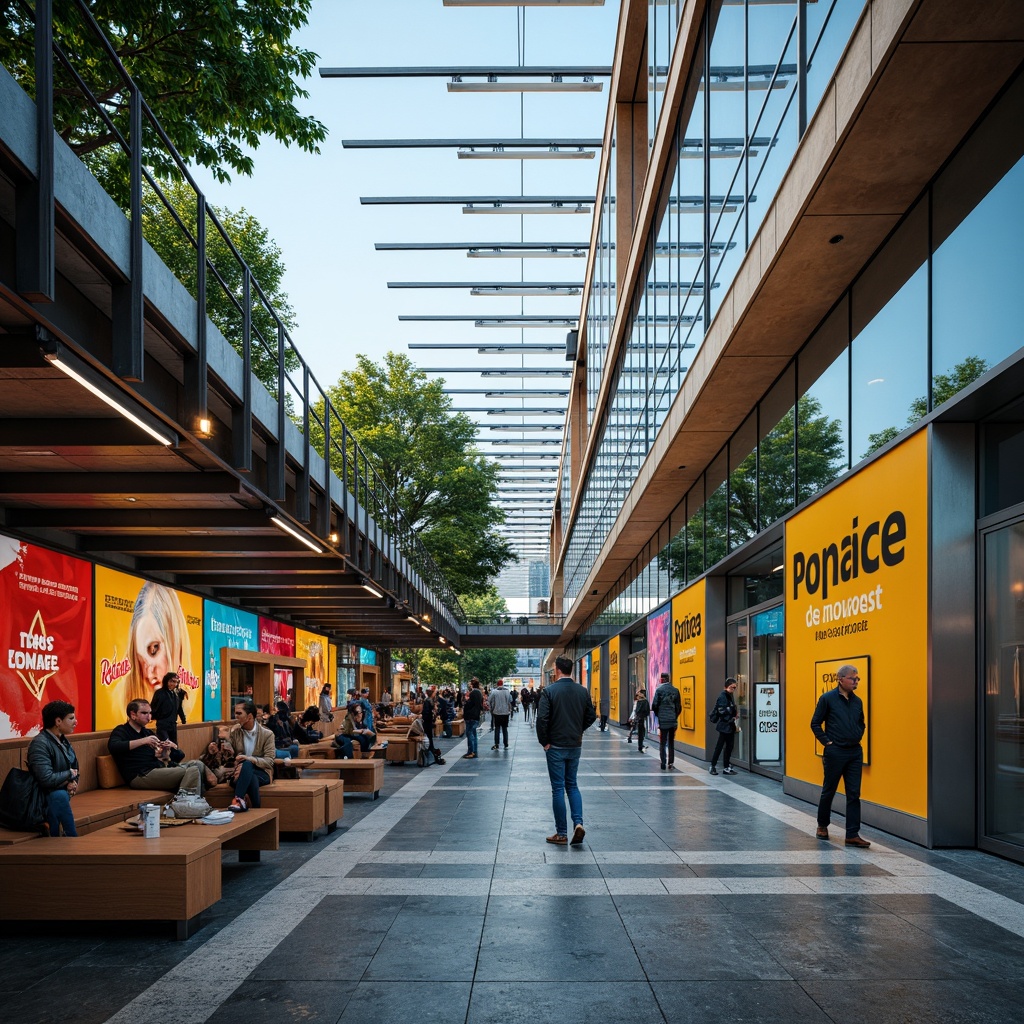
(275, 1002)
(524, 1002)
(739, 1002)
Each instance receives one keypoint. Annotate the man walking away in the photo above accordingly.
(564, 712)
(668, 706)
(472, 705)
(724, 715)
(838, 725)
(641, 712)
(501, 708)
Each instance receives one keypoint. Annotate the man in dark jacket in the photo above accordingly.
(668, 706)
(724, 716)
(53, 762)
(472, 706)
(428, 714)
(838, 725)
(564, 712)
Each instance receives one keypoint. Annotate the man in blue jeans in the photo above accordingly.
(565, 711)
(472, 706)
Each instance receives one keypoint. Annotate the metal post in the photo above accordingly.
(241, 426)
(128, 307)
(34, 202)
(276, 451)
(801, 66)
(302, 477)
(195, 365)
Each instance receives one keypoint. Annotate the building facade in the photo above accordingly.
(798, 402)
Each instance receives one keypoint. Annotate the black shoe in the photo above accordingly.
(712, 770)
(640, 750)
(729, 771)
(662, 767)
(495, 747)
(629, 739)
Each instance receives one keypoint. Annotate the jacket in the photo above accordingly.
(643, 709)
(168, 705)
(472, 706)
(838, 719)
(263, 753)
(50, 762)
(564, 713)
(727, 712)
(667, 705)
(501, 703)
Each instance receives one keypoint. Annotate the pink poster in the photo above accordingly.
(277, 638)
(45, 636)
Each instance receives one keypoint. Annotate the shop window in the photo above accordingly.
(889, 353)
(695, 531)
(716, 511)
(1003, 455)
(743, 518)
(776, 451)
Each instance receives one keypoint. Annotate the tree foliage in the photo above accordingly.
(224, 276)
(220, 76)
(426, 456)
(761, 490)
(944, 387)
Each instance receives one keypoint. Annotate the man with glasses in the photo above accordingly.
(838, 725)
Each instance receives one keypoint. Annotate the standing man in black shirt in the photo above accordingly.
(838, 725)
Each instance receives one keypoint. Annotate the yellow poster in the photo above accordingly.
(595, 678)
(143, 631)
(332, 672)
(313, 649)
(857, 593)
(688, 657)
(614, 707)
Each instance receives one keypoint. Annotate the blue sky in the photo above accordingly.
(310, 204)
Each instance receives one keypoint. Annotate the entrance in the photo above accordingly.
(1002, 708)
(755, 657)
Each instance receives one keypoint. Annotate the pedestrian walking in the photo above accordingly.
(725, 715)
(668, 706)
(564, 712)
(501, 708)
(838, 725)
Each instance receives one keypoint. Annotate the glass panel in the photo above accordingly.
(889, 354)
(1003, 447)
(776, 451)
(977, 275)
(823, 433)
(772, 113)
(830, 25)
(743, 483)
(1004, 685)
(716, 511)
(737, 666)
(695, 531)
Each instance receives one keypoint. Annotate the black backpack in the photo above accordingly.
(22, 804)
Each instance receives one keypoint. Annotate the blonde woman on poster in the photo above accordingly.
(158, 641)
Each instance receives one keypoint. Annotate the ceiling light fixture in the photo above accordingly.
(551, 153)
(286, 527)
(555, 209)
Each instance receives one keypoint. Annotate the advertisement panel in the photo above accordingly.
(767, 740)
(614, 705)
(223, 627)
(595, 676)
(143, 631)
(277, 638)
(659, 648)
(857, 589)
(312, 647)
(45, 636)
(688, 657)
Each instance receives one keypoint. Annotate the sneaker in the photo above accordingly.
(712, 770)
(577, 835)
(729, 771)
(558, 840)
(495, 747)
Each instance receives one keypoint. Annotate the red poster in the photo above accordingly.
(45, 636)
(277, 638)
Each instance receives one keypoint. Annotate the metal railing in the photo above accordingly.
(80, 83)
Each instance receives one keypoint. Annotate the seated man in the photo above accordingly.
(54, 764)
(355, 728)
(303, 731)
(143, 759)
(253, 745)
(281, 726)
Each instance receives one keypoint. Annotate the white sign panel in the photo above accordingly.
(768, 721)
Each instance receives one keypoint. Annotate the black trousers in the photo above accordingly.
(726, 741)
(641, 733)
(846, 763)
(667, 744)
(500, 729)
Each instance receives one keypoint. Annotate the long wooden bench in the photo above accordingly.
(361, 775)
(87, 878)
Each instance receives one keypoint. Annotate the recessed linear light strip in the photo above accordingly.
(58, 361)
(286, 527)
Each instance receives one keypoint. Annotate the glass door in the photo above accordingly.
(1002, 825)
(738, 666)
(766, 691)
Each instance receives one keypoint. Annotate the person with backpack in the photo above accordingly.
(668, 706)
(638, 720)
(725, 714)
(54, 765)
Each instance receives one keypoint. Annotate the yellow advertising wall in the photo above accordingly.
(312, 647)
(133, 656)
(688, 660)
(856, 592)
(614, 707)
(595, 678)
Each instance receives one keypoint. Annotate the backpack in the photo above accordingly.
(22, 804)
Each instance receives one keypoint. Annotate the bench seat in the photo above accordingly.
(85, 879)
(304, 805)
(361, 776)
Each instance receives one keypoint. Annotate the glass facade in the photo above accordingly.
(745, 106)
(895, 346)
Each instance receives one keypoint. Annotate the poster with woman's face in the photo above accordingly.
(143, 631)
(45, 636)
(313, 648)
(659, 647)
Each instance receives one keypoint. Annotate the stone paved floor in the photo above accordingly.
(693, 899)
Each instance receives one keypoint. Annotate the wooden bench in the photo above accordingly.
(361, 776)
(304, 805)
(101, 876)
